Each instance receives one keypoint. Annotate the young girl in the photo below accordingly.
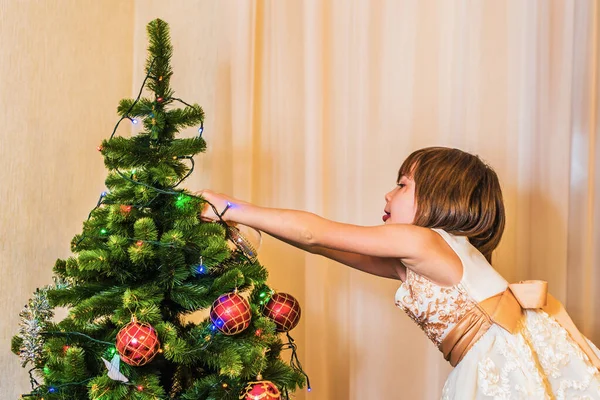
(441, 223)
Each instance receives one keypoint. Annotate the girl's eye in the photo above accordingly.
(400, 185)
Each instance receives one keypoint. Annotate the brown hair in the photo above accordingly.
(459, 193)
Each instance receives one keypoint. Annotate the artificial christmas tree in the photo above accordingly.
(142, 263)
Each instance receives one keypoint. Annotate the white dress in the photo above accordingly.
(539, 361)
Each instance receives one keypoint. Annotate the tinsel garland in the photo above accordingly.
(34, 320)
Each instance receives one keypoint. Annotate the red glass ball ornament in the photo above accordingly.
(230, 313)
(284, 310)
(137, 343)
(262, 390)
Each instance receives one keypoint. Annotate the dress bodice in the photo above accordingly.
(437, 309)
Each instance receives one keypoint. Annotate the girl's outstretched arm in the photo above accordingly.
(385, 267)
(420, 249)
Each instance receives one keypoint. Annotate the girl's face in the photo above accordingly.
(400, 206)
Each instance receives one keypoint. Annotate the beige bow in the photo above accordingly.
(506, 309)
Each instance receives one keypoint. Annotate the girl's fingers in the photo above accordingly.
(207, 213)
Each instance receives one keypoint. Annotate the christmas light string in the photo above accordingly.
(126, 115)
(189, 172)
(68, 334)
(32, 381)
(54, 388)
(295, 362)
(98, 204)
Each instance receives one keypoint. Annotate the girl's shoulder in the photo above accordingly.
(479, 278)
(433, 258)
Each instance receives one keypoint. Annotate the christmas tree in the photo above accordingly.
(143, 262)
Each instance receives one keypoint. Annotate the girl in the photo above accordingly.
(441, 223)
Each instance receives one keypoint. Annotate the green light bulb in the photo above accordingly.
(181, 200)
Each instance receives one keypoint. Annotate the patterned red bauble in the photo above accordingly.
(230, 313)
(284, 310)
(262, 390)
(137, 343)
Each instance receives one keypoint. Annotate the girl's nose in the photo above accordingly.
(388, 196)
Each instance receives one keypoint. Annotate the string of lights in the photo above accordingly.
(295, 361)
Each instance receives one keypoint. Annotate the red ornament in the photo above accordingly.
(125, 209)
(99, 148)
(262, 390)
(159, 99)
(137, 343)
(230, 313)
(284, 310)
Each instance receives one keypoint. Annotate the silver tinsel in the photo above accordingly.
(34, 319)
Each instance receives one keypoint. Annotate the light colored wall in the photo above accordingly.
(64, 65)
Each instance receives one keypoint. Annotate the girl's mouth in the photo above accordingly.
(385, 217)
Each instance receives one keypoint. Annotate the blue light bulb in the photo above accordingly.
(200, 269)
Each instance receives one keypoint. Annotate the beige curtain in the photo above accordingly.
(313, 105)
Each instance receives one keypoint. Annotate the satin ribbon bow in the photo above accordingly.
(506, 309)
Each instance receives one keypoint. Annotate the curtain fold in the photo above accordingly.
(583, 275)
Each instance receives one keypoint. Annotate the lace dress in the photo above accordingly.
(539, 360)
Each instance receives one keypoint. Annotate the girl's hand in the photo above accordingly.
(220, 203)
